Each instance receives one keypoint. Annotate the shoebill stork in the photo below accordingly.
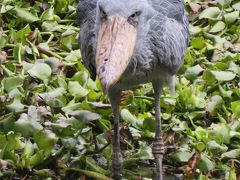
(130, 42)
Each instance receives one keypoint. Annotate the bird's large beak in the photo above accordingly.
(115, 46)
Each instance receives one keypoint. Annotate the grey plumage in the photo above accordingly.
(158, 31)
(161, 43)
(86, 16)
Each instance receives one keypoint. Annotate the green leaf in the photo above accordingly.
(206, 164)
(221, 119)
(214, 147)
(236, 6)
(21, 35)
(192, 72)
(181, 156)
(127, 116)
(44, 47)
(93, 95)
(68, 41)
(19, 52)
(214, 104)
(72, 57)
(51, 95)
(219, 26)
(232, 173)
(149, 124)
(234, 68)
(234, 134)
(223, 75)
(209, 13)
(54, 63)
(201, 134)
(26, 15)
(200, 146)
(44, 173)
(3, 40)
(190, 97)
(6, 122)
(224, 93)
(104, 125)
(40, 70)
(220, 133)
(198, 43)
(235, 125)
(233, 154)
(37, 158)
(45, 140)
(236, 108)
(231, 17)
(209, 78)
(224, 2)
(50, 26)
(47, 15)
(9, 141)
(26, 125)
(68, 32)
(11, 83)
(60, 6)
(16, 105)
(69, 143)
(196, 115)
(85, 115)
(77, 90)
(91, 174)
(145, 153)
(92, 165)
(194, 30)
(28, 150)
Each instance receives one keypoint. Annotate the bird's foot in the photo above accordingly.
(158, 152)
(117, 161)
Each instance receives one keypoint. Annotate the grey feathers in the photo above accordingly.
(162, 35)
(86, 14)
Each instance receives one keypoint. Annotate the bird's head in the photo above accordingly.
(118, 25)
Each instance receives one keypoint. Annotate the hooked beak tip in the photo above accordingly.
(105, 84)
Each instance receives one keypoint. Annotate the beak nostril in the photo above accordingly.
(105, 60)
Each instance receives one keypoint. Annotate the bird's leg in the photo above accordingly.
(158, 146)
(117, 156)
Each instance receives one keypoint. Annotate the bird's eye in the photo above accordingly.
(135, 15)
(133, 19)
(103, 14)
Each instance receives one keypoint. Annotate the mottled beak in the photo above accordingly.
(115, 46)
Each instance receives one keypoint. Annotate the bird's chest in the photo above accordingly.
(133, 77)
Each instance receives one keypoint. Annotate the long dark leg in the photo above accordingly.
(158, 146)
(117, 156)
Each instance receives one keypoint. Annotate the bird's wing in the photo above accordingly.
(171, 8)
(169, 33)
(86, 13)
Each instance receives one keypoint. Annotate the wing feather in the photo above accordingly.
(169, 33)
(86, 13)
